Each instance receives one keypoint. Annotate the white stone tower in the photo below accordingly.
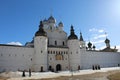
(40, 47)
(74, 51)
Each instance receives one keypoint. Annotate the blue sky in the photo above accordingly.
(19, 19)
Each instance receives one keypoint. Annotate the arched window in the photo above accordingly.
(55, 42)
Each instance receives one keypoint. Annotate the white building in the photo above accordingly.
(51, 49)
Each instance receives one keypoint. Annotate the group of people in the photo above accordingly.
(23, 74)
(96, 67)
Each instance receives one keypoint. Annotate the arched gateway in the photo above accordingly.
(58, 67)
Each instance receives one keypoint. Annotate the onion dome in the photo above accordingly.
(41, 31)
(89, 45)
(72, 34)
(81, 38)
(107, 40)
(60, 24)
(45, 21)
(51, 19)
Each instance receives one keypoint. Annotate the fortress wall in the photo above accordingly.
(104, 59)
(15, 58)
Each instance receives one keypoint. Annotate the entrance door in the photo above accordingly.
(58, 67)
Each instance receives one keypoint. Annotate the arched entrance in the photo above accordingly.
(58, 67)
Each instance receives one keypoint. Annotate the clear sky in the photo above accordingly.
(19, 19)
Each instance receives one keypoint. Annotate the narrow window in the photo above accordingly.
(48, 52)
(55, 42)
(50, 58)
(31, 59)
(51, 52)
(56, 52)
(59, 52)
(41, 51)
(48, 41)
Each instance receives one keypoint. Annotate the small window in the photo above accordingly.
(41, 51)
(59, 52)
(50, 58)
(56, 52)
(48, 42)
(55, 42)
(31, 59)
(77, 52)
(51, 52)
(64, 52)
(48, 52)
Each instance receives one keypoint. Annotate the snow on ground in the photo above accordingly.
(38, 75)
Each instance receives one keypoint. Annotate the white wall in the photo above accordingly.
(15, 58)
(104, 59)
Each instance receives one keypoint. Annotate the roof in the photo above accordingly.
(72, 34)
(41, 31)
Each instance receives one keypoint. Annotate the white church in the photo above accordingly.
(53, 50)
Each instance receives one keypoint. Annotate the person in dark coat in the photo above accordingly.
(29, 72)
(23, 74)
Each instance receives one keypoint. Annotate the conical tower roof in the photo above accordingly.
(41, 31)
(81, 38)
(72, 34)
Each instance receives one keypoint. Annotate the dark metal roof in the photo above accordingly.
(41, 31)
(81, 38)
(72, 34)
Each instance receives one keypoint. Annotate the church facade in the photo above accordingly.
(52, 50)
